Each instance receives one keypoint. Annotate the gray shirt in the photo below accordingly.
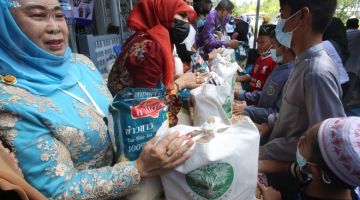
(311, 95)
(269, 99)
(353, 63)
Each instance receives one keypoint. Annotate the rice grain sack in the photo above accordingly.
(138, 113)
(222, 167)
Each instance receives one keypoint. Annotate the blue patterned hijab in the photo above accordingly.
(35, 69)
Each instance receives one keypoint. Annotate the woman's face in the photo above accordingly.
(44, 23)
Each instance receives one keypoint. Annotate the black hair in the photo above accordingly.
(336, 34)
(202, 7)
(266, 29)
(225, 5)
(242, 28)
(321, 10)
(253, 54)
(352, 23)
(317, 158)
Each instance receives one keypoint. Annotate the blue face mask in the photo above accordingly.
(277, 59)
(266, 53)
(200, 23)
(301, 161)
(281, 36)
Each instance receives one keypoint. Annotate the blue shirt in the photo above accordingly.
(269, 99)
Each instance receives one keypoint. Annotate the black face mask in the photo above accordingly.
(180, 31)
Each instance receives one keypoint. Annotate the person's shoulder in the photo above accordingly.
(82, 60)
(286, 67)
(210, 18)
(18, 100)
(145, 46)
(352, 34)
(322, 65)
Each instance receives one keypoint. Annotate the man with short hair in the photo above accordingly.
(313, 91)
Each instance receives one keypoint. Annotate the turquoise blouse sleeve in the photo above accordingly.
(47, 165)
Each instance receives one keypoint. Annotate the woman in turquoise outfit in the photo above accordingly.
(53, 111)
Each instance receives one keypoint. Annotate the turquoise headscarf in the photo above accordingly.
(35, 69)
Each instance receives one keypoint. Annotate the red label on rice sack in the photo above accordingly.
(148, 108)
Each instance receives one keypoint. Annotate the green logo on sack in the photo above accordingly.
(211, 181)
(227, 106)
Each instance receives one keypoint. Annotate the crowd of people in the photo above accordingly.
(297, 83)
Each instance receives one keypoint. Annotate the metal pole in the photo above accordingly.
(115, 13)
(256, 22)
(121, 23)
(101, 19)
(131, 4)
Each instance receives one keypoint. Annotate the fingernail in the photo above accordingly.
(187, 136)
(190, 142)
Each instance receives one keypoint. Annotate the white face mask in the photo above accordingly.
(267, 52)
(281, 36)
(277, 59)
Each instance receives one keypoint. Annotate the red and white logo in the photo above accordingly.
(148, 108)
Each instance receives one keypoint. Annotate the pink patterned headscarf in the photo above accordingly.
(339, 141)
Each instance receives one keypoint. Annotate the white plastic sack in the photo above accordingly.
(179, 66)
(225, 167)
(229, 54)
(147, 189)
(215, 100)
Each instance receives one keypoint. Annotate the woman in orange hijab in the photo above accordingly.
(146, 57)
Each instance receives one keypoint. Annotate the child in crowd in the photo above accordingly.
(253, 54)
(264, 63)
(327, 161)
(268, 101)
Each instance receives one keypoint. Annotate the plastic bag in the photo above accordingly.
(212, 100)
